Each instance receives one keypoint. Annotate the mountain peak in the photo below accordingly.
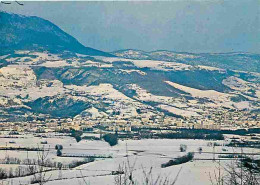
(20, 32)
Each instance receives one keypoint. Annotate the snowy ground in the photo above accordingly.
(143, 154)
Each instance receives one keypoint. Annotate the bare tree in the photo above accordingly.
(183, 148)
(125, 175)
(217, 177)
(40, 169)
(242, 170)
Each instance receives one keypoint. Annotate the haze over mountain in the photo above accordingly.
(46, 73)
(31, 32)
(188, 26)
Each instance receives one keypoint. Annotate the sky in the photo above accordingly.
(185, 26)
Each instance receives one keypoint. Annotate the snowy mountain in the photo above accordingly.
(46, 73)
(233, 61)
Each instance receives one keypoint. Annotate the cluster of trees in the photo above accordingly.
(112, 139)
(242, 131)
(21, 148)
(59, 149)
(76, 134)
(202, 133)
(180, 160)
(77, 163)
(253, 144)
(192, 135)
(174, 134)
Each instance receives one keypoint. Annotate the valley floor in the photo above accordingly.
(142, 155)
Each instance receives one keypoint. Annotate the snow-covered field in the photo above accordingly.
(153, 64)
(142, 155)
(178, 111)
(211, 94)
(117, 100)
(18, 80)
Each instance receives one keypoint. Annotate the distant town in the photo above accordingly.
(216, 120)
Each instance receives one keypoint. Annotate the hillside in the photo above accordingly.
(55, 85)
(47, 74)
(34, 33)
(233, 61)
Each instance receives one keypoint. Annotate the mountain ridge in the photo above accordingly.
(182, 52)
(32, 32)
(44, 76)
(242, 61)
